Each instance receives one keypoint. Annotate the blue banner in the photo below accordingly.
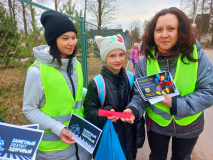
(18, 142)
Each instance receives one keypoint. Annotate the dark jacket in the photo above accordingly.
(118, 95)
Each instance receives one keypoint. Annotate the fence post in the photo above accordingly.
(84, 51)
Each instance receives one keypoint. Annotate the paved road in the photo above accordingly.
(203, 149)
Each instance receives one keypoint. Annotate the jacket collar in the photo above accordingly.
(42, 55)
(114, 77)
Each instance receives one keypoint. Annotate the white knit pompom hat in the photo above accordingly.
(109, 43)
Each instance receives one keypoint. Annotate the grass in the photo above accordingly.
(11, 95)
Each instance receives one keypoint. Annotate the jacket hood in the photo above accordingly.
(42, 55)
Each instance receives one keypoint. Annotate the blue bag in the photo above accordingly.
(109, 147)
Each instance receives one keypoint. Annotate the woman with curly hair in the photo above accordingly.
(169, 45)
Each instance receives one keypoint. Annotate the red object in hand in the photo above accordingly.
(111, 113)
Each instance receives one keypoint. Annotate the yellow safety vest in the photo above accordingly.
(60, 103)
(185, 84)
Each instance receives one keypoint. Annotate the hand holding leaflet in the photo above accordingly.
(153, 87)
(85, 133)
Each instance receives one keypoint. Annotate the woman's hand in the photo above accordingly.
(113, 118)
(132, 118)
(167, 101)
(66, 137)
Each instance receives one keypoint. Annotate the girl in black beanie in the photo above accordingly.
(54, 89)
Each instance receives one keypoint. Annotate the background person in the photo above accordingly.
(54, 89)
(169, 45)
(135, 53)
(141, 49)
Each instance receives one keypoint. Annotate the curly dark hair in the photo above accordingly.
(185, 41)
(54, 51)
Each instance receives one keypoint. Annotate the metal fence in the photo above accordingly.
(20, 31)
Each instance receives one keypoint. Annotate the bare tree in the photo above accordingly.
(135, 30)
(85, 10)
(24, 17)
(70, 9)
(195, 6)
(190, 7)
(57, 6)
(203, 12)
(103, 11)
(32, 11)
(11, 9)
(201, 21)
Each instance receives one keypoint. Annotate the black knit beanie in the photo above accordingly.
(55, 24)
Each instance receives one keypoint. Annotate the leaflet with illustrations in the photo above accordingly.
(19, 142)
(85, 133)
(152, 87)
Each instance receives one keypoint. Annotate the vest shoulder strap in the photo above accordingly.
(100, 84)
(101, 88)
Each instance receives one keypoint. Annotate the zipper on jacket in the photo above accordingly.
(167, 69)
(167, 65)
(174, 127)
(69, 73)
(125, 140)
(120, 100)
(76, 148)
(119, 91)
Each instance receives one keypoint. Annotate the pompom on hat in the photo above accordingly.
(55, 24)
(135, 44)
(109, 43)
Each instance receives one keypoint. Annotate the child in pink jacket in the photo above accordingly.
(135, 53)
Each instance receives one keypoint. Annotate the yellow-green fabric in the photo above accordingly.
(185, 84)
(79, 111)
(60, 103)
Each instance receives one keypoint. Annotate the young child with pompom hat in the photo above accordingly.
(135, 54)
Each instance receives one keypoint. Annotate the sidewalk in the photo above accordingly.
(129, 67)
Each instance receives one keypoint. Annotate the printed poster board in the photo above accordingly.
(18, 142)
(152, 87)
(85, 133)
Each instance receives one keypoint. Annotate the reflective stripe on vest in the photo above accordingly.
(161, 113)
(57, 93)
(78, 108)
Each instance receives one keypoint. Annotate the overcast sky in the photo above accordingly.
(132, 10)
